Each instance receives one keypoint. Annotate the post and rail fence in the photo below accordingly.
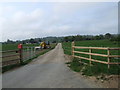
(108, 55)
(9, 57)
(18, 56)
(21, 55)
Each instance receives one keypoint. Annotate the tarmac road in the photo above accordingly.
(46, 71)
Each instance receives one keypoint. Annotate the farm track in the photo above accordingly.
(46, 71)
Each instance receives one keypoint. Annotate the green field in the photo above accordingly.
(6, 47)
(96, 68)
(14, 46)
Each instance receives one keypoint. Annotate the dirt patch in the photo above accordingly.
(68, 58)
(109, 81)
(104, 81)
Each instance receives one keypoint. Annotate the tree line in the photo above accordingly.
(36, 40)
(111, 37)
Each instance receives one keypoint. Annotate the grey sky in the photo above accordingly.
(39, 19)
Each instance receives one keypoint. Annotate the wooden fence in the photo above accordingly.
(10, 57)
(109, 56)
(18, 56)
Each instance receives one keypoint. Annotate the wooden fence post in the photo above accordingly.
(108, 52)
(73, 44)
(20, 51)
(90, 56)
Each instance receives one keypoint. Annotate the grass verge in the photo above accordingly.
(95, 68)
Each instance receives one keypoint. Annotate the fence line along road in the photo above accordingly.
(11, 57)
(109, 56)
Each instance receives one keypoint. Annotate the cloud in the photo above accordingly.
(57, 19)
(21, 24)
(22, 17)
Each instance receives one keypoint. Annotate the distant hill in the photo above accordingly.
(38, 40)
(51, 39)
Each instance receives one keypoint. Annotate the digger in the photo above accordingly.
(43, 45)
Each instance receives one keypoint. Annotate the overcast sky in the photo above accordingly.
(22, 20)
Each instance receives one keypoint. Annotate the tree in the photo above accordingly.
(115, 38)
(40, 40)
(101, 36)
(31, 40)
(78, 38)
(9, 41)
(73, 38)
(108, 35)
(97, 37)
(54, 42)
(66, 39)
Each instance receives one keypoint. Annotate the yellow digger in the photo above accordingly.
(43, 45)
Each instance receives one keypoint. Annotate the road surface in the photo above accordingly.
(46, 71)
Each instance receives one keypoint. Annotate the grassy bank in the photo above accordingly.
(96, 68)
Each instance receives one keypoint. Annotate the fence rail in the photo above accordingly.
(9, 57)
(8, 51)
(109, 56)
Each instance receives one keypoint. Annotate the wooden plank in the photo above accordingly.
(104, 48)
(114, 55)
(8, 51)
(114, 48)
(11, 60)
(91, 53)
(91, 59)
(97, 54)
(114, 63)
(10, 55)
(90, 47)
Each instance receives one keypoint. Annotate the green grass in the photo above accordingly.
(67, 47)
(96, 68)
(75, 65)
(90, 43)
(88, 70)
(97, 43)
(14, 46)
